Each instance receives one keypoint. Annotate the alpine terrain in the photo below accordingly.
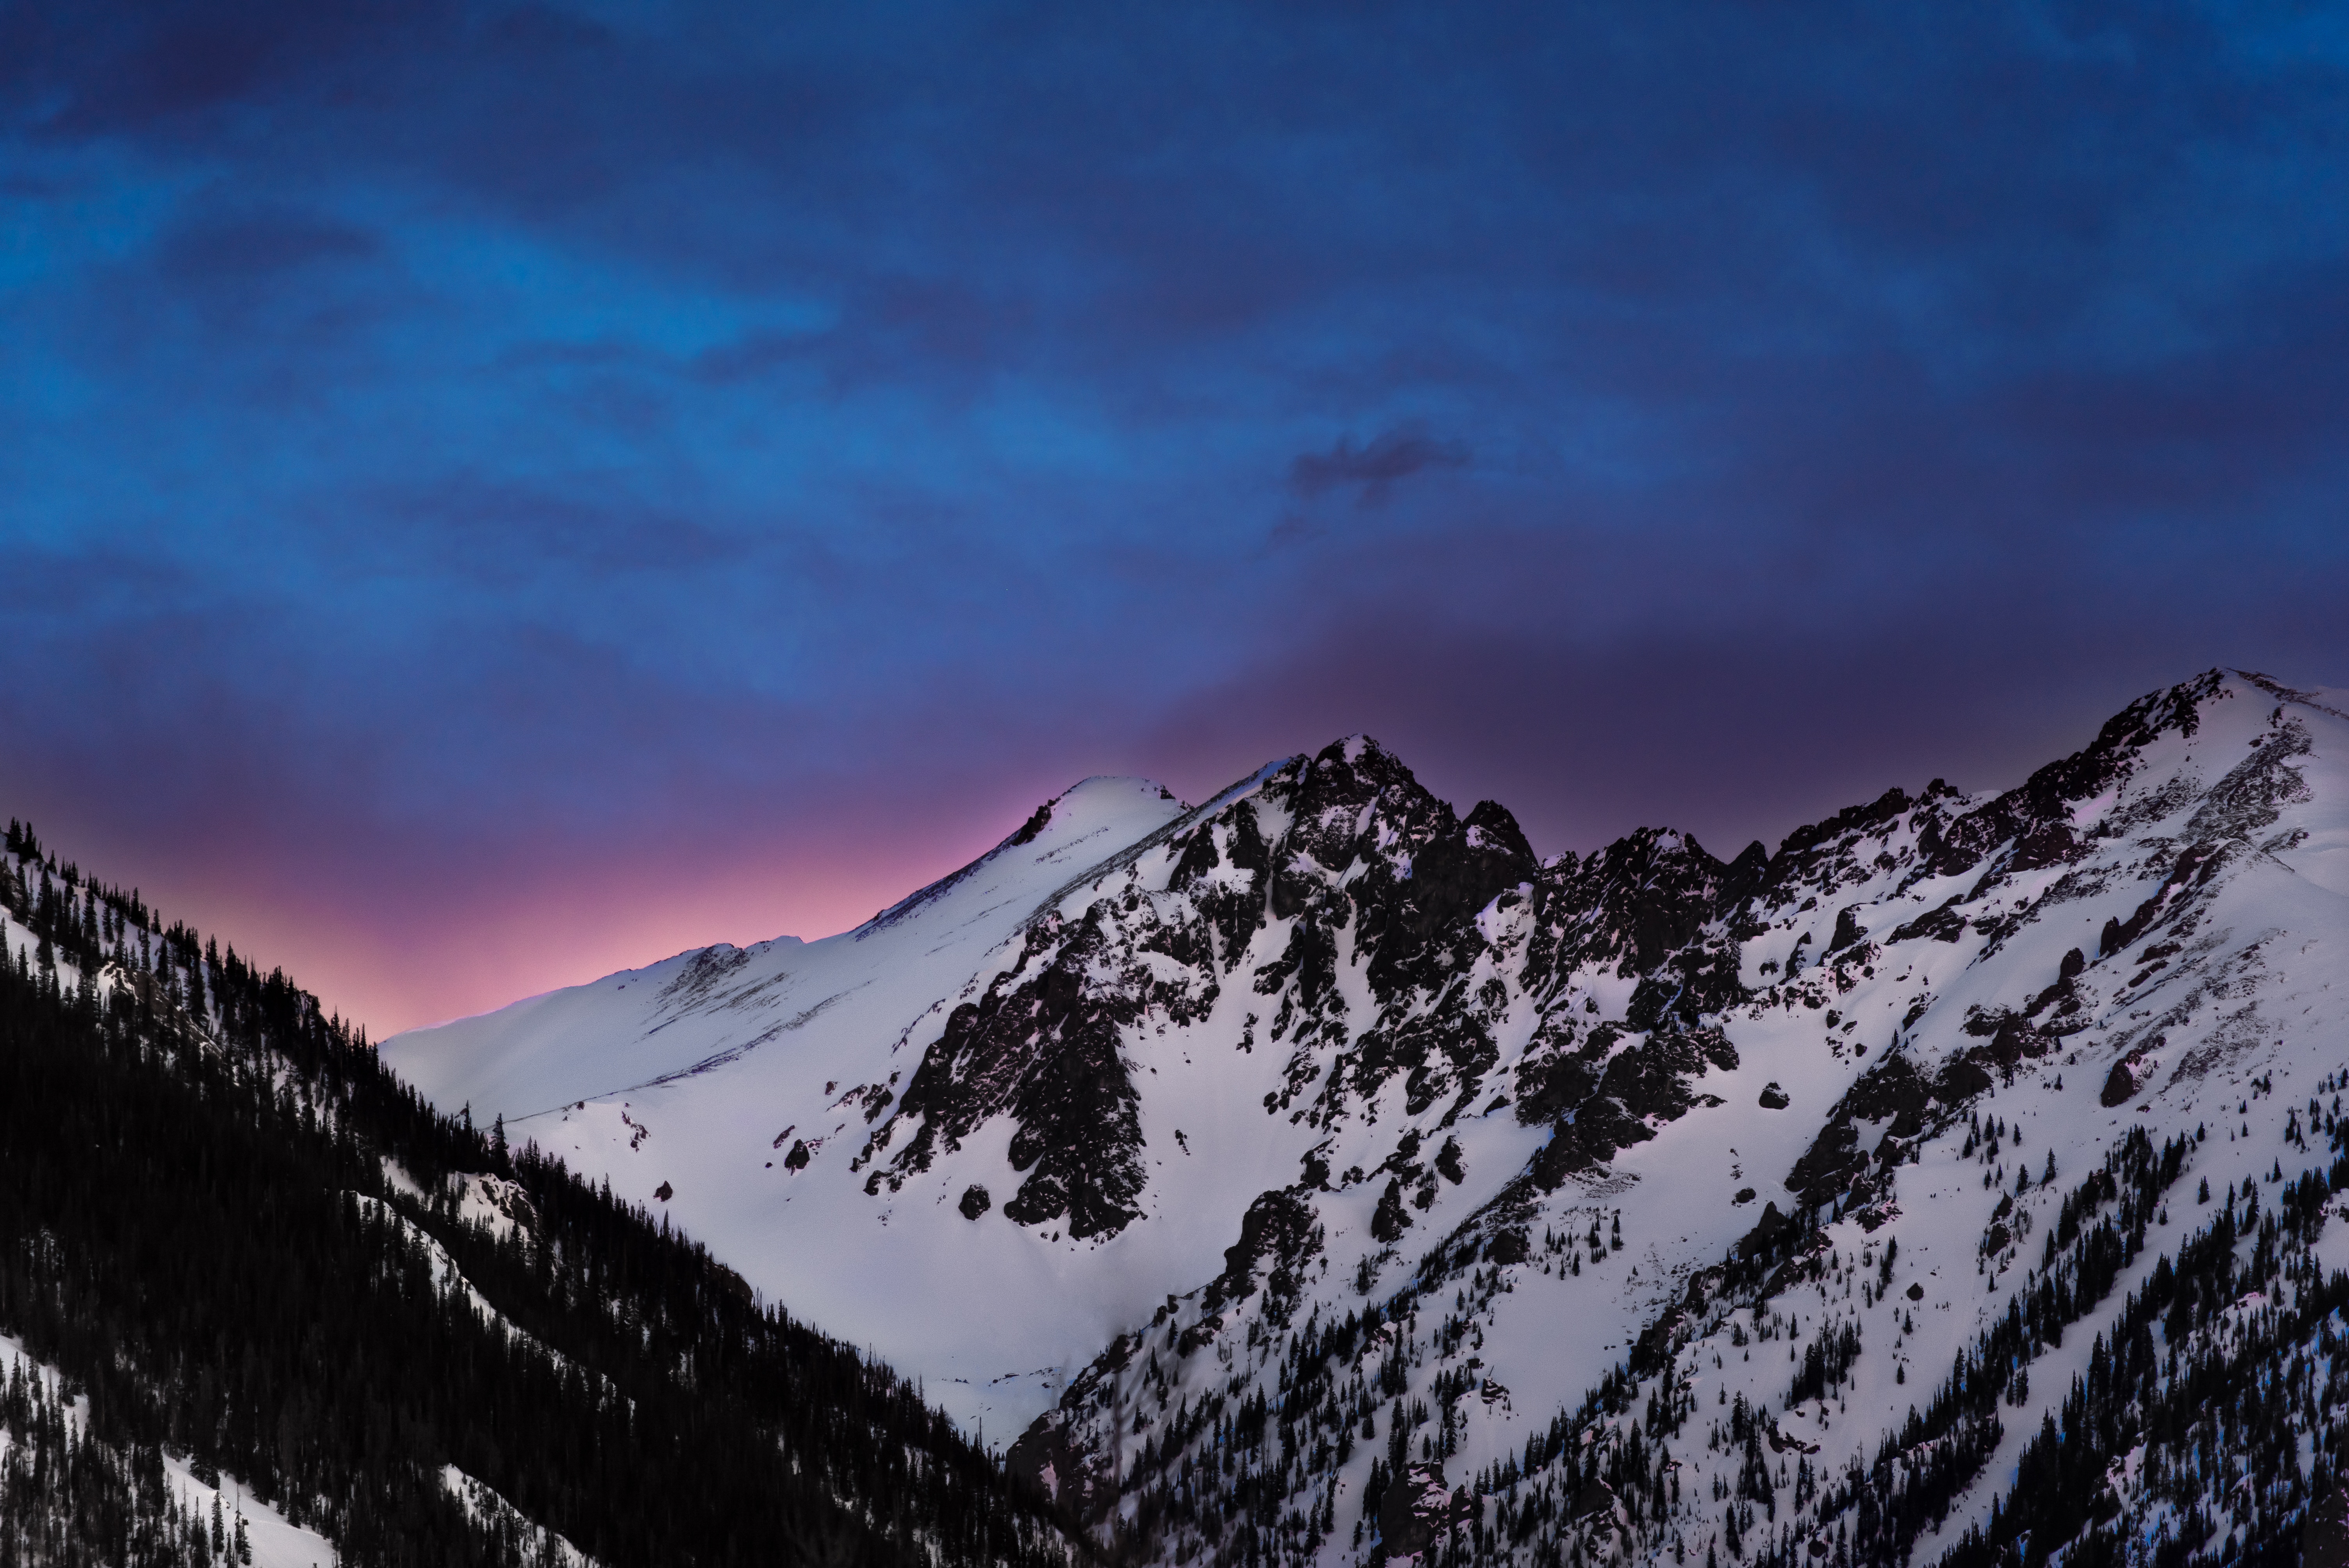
(1315, 1175)
(259, 1304)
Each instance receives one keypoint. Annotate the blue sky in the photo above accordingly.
(493, 492)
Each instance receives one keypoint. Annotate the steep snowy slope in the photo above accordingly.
(1644, 1193)
(737, 1087)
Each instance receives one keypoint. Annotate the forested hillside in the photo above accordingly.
(249, 1252)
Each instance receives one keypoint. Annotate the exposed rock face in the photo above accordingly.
(1597, 1000)
(1366, 871)
(1043, 1044)
(1280, 1231)
(1366, 862)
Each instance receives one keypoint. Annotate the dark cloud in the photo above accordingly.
(161, 70)
(1373, 470)
(251, 244)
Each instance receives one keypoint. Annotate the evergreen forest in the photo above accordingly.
(235, 1238)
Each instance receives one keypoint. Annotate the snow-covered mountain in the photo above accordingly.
(1315, 1175)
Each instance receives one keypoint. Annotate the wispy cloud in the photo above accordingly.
(1371, 470)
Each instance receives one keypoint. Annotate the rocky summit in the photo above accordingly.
(1317, 1175)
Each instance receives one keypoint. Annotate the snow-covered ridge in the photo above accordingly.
(1285, 1145)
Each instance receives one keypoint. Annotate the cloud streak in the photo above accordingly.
(1373, 470)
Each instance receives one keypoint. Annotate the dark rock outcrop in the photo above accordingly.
(1279, 1227)
(1417, 1508)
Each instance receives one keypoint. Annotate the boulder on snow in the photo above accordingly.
(2126, 1075)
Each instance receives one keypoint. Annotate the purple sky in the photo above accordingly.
(492, 494)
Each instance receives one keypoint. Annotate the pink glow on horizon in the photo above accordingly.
(398, 921)
(473, 955)
(395, 943)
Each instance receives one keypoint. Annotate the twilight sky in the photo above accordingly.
(493, 494)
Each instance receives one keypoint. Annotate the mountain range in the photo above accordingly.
(1316, 1174)
(1312, 1175)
